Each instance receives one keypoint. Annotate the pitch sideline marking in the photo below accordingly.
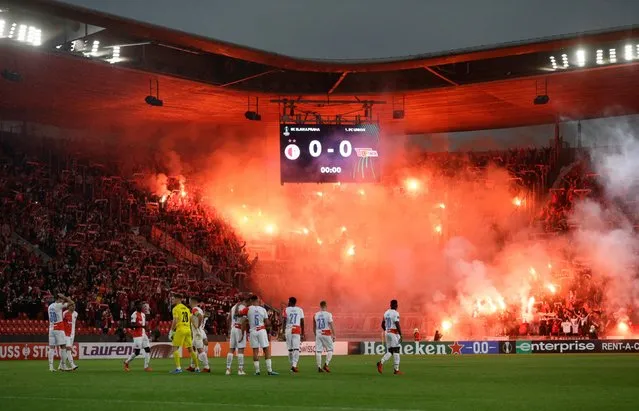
(193, 403)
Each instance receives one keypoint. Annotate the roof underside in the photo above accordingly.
(79, 93)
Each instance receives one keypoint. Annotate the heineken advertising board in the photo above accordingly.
(506, 347)
(434, 348)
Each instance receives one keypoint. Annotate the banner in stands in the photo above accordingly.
(30, 351)
(434, 348)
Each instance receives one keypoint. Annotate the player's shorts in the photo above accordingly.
(140, 343)
(57, 338)
(392, 340)
(237, 335)
(182, 338)
(259, 339)
(293, 341)
(323, 342)
(68, 341)
(198, 340)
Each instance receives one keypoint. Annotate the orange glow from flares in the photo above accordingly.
(350, 251)
(447, 325)
(270, 229)
(441, 205)
(552, 288)
(412, 185)
(623, 327)
(517, 202)
(438, 228)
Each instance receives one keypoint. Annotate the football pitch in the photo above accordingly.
(507, 382)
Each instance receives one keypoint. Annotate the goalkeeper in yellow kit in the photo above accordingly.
(180, 334)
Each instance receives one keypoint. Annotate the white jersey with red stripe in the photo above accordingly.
(139, 319)
(200, 328)
(294, 317)
(203, 327)
(323, 320)
(238, 312)
(69, 323)
(391, 317)
(256, 316)
(55, 316)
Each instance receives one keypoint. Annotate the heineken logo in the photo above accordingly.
(434, 347)
(413, 348)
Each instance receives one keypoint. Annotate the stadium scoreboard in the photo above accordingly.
(329, 153)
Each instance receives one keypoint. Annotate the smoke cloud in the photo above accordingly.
(454, 248)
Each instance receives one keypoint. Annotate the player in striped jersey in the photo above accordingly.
(199, 336)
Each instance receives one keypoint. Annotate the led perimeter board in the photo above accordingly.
(329, 153)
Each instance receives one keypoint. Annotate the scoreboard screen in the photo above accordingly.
(324, 153)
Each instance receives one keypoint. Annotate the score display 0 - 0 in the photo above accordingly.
(329, 153)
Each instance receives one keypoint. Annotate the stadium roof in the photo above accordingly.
(203, 80)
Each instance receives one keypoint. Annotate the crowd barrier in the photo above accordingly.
(103, 351)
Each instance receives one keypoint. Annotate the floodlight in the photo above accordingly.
(11, 76)
(541, 100)
(253, 116)
(581, 57)
(154, 101)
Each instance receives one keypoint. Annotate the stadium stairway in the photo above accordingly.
(143, 242)
(16, 238)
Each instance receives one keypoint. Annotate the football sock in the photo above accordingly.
(318, 359)
(386, 357)
(329, 357)
(51, 357)
(256, 364)
(63, 358)
(240, 361)
(296, 357)
(290, 357)
(176, 359)
(229, 360)
(269, 367)
(131, 357)
(396, 361)
(147, 359)
(194, 359)
(204, 359)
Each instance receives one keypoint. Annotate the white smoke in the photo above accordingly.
(605, 237)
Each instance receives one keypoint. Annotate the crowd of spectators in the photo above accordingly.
(578, 183)
(81, 241)
(88, 235)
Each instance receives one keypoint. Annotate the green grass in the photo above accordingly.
(492, 383)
